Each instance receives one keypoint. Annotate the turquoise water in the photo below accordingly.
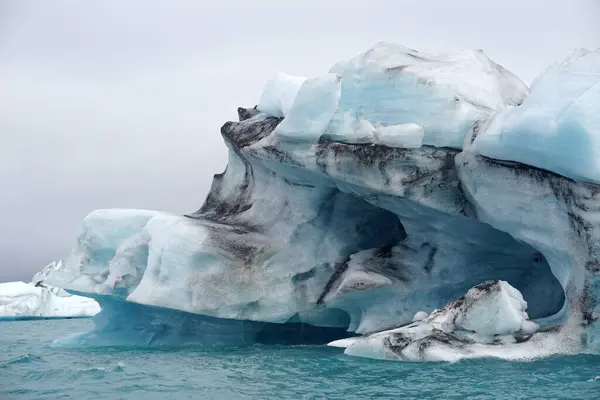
(31, 369)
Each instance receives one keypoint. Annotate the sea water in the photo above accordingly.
(31, 368)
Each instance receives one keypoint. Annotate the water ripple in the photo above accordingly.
(35, 370)
(23, 359)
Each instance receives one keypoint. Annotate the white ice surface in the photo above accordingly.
(394, 96)
(407, 136)
(279, 94)
(557, 127)
(496, 314)
(420, 315)
(312, 109)
(540, 345)
(488, 314)
(20, 300)
(344, 343)
(46, 271)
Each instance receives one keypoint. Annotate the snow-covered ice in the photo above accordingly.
(20, 300)
(419, 315)
(494, 308)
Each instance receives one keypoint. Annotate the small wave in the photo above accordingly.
(99, 372)
(24, 359)
(120, 367)
(93, 372)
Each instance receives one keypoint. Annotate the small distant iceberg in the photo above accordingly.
(37, 300)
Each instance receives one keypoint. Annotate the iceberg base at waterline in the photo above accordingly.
(127, 324)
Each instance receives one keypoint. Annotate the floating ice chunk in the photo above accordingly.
(39, 300)
(492, 308)
(23, 300)
(420, 315)
(279, 94)
(557, 127)
(489, 316)
(312, 109)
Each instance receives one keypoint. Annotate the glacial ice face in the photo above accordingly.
(443, 93)
(394, 96)
(557, 128)
(191, 264)
(253, 231)
(20, 300)
(356, 200)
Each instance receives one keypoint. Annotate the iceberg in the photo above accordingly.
(402, 205)
(36, 300)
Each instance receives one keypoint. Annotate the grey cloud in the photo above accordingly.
(119, 104)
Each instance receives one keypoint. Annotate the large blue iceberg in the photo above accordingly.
(413, 206)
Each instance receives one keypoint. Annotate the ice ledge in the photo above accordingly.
(556, 128)
(489, 321)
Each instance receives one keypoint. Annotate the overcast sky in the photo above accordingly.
(119, 103)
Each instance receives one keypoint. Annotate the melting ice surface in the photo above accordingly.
(414, 206)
